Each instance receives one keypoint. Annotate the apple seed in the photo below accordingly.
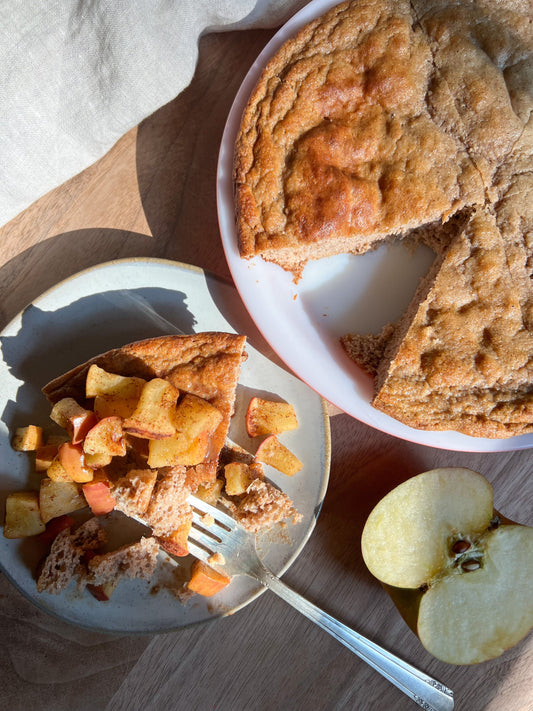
(460, 546)
(471, 564)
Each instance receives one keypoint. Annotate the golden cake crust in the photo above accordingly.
(339, 144)
(383, 117)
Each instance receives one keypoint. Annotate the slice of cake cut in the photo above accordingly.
(206, 365)
(461, 358)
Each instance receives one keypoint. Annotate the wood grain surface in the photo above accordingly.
(153, 194)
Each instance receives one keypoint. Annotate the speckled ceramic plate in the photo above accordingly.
(105, 307)
(344, 294)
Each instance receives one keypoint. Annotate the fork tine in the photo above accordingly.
(215, 512)
(198, 551)
(206, 539)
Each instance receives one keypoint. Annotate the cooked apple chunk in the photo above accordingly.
(210, 492)
(59, 497)
(272, 452)
(205, 580)
(265, 417)
(56, 471)
(100, 382)
(27, 439)
(114, 395)
(98, 460)
(72, 459)
(177, 451)
(176, 543)
(195, 416)
(98, 495)
(73, 418)
(195, 420)
(23, 516)
(44, 456)
(153, 418)
(238, 477)
(106, 437)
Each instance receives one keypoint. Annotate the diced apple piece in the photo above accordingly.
(56, 471)
(59, 497)
(27, 439)
(177, 451)
(44, 456)
(238, 478)
(153, 416)
(195, 421)
(272, 452)
(97, 460)
(265, 417)
(194, 416)
(106, 437)
(111, 406)
(210, 493)
(176, 543)
(55, 526)
(99, 497)
(73, 418)
(206, 581)
(101, 382)
(72, 459)
(23, 517)
(103, 592)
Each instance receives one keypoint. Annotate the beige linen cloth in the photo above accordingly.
(75, 75)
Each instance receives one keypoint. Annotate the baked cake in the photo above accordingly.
(384, 119)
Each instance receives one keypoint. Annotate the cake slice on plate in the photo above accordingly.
(196, 374)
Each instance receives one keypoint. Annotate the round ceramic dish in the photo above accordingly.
(105, 307)
(343, 294)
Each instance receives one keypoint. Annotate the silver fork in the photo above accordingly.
(225, 536)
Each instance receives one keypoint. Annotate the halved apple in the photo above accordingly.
(272, 452)
(265, 417)
(459, 573)
(154, 414)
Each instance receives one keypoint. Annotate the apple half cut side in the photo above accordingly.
(460, 574)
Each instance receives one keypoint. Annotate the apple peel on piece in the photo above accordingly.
(458, 572)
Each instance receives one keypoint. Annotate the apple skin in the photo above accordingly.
(474, 603)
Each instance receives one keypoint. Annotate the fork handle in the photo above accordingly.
(428, 693)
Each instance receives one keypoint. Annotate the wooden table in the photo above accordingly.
(153, 195)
